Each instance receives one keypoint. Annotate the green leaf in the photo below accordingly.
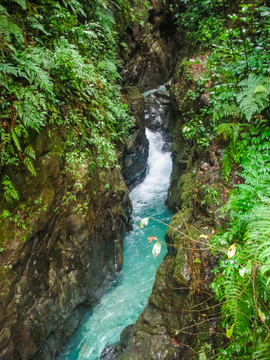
(259, 89)
(229, 332)
(15, 139)
(249, 268)
(30, 166)
(30, 152)
(22, 3)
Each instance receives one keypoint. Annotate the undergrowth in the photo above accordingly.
(59, 70)
(235, 37)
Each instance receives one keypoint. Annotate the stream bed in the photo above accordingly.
(126, 298)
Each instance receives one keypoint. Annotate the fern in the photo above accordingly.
(109, 68)
(9, 29)
(3, 10)
(30, 166)
(254, 96)
(229, 131)
(258, 235)
(239, 304)
(10, 69)
(228, 111)
(31, 108)
(16, 140)
(10, 193)
(35, 24)
(263, 352)
(75, 6)
(30, 152)
(22, 3)
(243, 283)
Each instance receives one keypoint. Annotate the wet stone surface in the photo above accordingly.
(157, 115)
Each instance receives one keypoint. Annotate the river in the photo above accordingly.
(128, 295)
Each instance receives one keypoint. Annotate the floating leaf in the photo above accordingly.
(144, 222)
(262, 315)
(232, 250)
(156, 249)
(151, 238)
(229, 332)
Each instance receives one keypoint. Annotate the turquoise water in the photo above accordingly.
(128, 295)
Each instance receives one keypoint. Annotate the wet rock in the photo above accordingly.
(151, 47)
(109, 353)
(158, 112)
(63, 259)
(126, 335)
(167, 147)
(134, 163)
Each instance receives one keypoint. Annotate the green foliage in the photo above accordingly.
(236, 36)
(10, 193)
(211, 196)
(263, 352)
(59, 71)
(197, 130)
(8, 29)
(254, 96)
(242, 283)
(22, 3)
(203, 20)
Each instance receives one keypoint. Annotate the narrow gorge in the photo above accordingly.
(114, 112)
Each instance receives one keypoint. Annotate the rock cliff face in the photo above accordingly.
(61, 252)
(152, 45)
(136, 146)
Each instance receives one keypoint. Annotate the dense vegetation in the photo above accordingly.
(235, 37)
(59, 73)
(59, 85)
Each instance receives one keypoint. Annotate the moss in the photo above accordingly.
(179, 264)
(175, 224)
(186, 189)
